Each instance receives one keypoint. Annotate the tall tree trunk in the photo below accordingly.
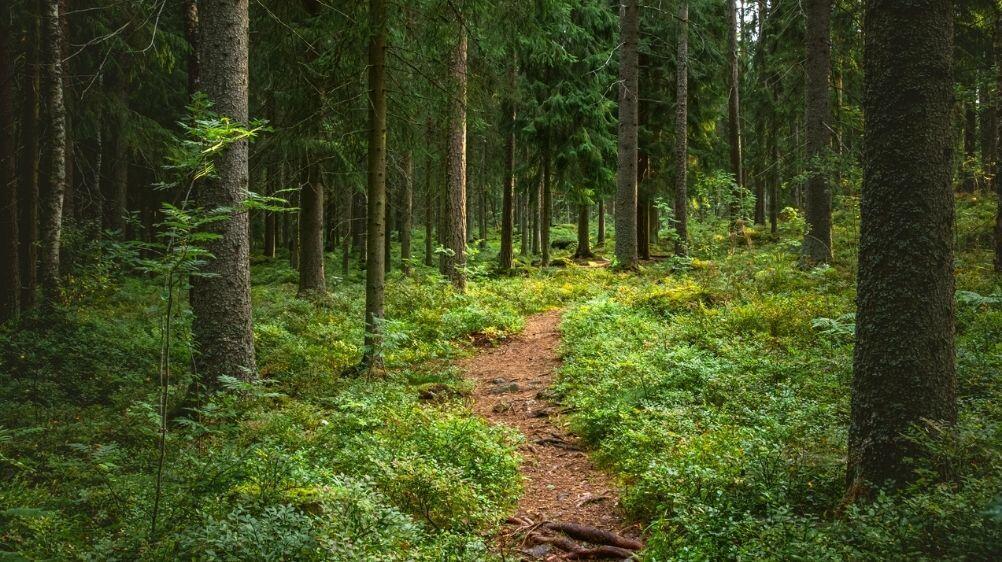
(644, 187)
(28, 167)
(545, 207)
(348, 233)
(903, 368)
(456, 263)
(190, 8)
(818, 238)
(375, 272)
(970, 142)
(534, 193)
(760, 178)
(10, 278)
(998, 135)
(430, 206)
(506, 254)
(222, 327)
(774, 180)
(270, 217)
(626, 189)
(52, 200)
(388, 232)
(643, 230)
(600, 238)
(682, 133)
(118, 179)
(69, 211)
(584, 244)
(407, 213)
(526, 244)
(988, 126)
(311, 234)
(734, 108)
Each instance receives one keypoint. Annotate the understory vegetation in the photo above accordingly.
(303, 465)
(717, 388)
(714, 387)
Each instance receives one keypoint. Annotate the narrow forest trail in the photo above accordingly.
(570, 509)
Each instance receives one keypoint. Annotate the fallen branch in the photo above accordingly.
(595, 535)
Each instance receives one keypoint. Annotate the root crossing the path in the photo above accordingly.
(570, 509)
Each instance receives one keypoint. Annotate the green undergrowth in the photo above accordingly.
(717, 389)
(305, 465)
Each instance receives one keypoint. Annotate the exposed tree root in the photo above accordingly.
(595, 535)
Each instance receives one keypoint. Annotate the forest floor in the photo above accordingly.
(562, 485)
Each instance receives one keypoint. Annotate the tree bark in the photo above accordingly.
(600, 238)
(545, 207)
(682, 133)
(222, 327)
(626, 189)
(52, 200)
(430, 206)
(10, 278)
(388, 232)
(988, 125)
(970, 141)
(534, 193)
(817, 247)
(584, 244)
(270, 218)
(455, 265)
(28, 166)
(997, 182)
(734, 108)
(375, 272)
(116, 208)
(903, 369)
(506, 255)
(348, 233)
(774, 175)
(190, 8)
(311, 234)
(407, 213)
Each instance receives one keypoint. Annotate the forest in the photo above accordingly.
(500, 280)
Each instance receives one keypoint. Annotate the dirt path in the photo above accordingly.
(561, 484)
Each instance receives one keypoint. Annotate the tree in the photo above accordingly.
(407, 212)
(10, 278)
(734, 105)
(375, 272)
(52, 200)
(997, 181)
(506, 254)
(626, 192)
(682, 132)
(455, 264)
(222, 326)
(818, 239)
(903, 368)
(311, 234)
(27, 187)
(190, 8)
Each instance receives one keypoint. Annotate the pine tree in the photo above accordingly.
(222, 326)
(904, 363)
(52, 198)
(818, 239)
(626, 193)
(375, 271)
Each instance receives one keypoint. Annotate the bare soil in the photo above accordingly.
(562, 485)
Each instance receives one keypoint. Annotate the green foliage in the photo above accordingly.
(720, 396)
